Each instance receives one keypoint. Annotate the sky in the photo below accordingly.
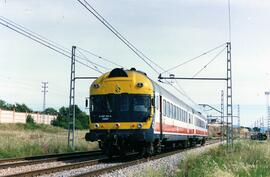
(168, 32)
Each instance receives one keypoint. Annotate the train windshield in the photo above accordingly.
(120, 108)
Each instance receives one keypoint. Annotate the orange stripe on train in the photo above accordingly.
(176, 129)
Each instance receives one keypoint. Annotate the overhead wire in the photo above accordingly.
(204, 67)
(126, 42)
(141, 55)
(181, 90)
(100, 57)
(89, 61)
(46, 45)
(44, 39)
(177, 83)
(31, 33)
(192, 59)
(116, 33)
(49, 43)
(123, 39)
(99, 15)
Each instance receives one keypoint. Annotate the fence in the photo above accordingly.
(20, 117)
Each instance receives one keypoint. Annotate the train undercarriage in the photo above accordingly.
(119, 146)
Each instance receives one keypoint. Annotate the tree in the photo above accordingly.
(62, 120)
(51, 111)
(22, 108)
(2, 104)
(18, 107)
(30, 120)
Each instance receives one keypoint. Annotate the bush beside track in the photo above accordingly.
(246, 159)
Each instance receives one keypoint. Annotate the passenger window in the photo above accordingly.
(171, 112)
(164, 107)
(156, 102)
(168, 109)
(181, 115)
(174, 112)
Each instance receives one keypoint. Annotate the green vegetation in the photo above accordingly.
(18, 140)
(30, 120)
(62, 115)
(247, 158)
(17, 107)
(63, 118)
(149, 172)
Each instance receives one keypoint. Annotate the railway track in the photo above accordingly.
(13, 163)
(98, 160)
(135, 162)
(31, 158)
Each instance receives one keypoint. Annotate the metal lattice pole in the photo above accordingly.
(238, 120)
(229, 97)
(222, 115)
(71, 125)
(268, 113)
(44, 90)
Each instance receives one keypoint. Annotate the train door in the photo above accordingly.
(160, 116)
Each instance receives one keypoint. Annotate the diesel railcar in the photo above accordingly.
(130, 112)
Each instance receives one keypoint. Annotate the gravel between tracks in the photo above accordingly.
(80, 170)
(169, 164)
(21, 169)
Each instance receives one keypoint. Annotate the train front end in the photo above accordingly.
(121, 111)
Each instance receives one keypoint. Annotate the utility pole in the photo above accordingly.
(44, 90)
(72, 105)
(229, 93)
(222, 115)
(238, 120)
(71, 123)
(229, 109)
(268, 113)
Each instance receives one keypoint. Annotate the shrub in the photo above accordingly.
(30, 120)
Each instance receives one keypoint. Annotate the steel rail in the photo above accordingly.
(24, 161)
(97, 161)
(58, 168)
(135, 162)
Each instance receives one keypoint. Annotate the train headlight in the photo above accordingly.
(139, 84)
(96, 85)
(140, 125)
(96, 125)
(117, 125)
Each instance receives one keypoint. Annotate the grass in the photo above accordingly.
(150, 172)
(246, 159)
(19, 140)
